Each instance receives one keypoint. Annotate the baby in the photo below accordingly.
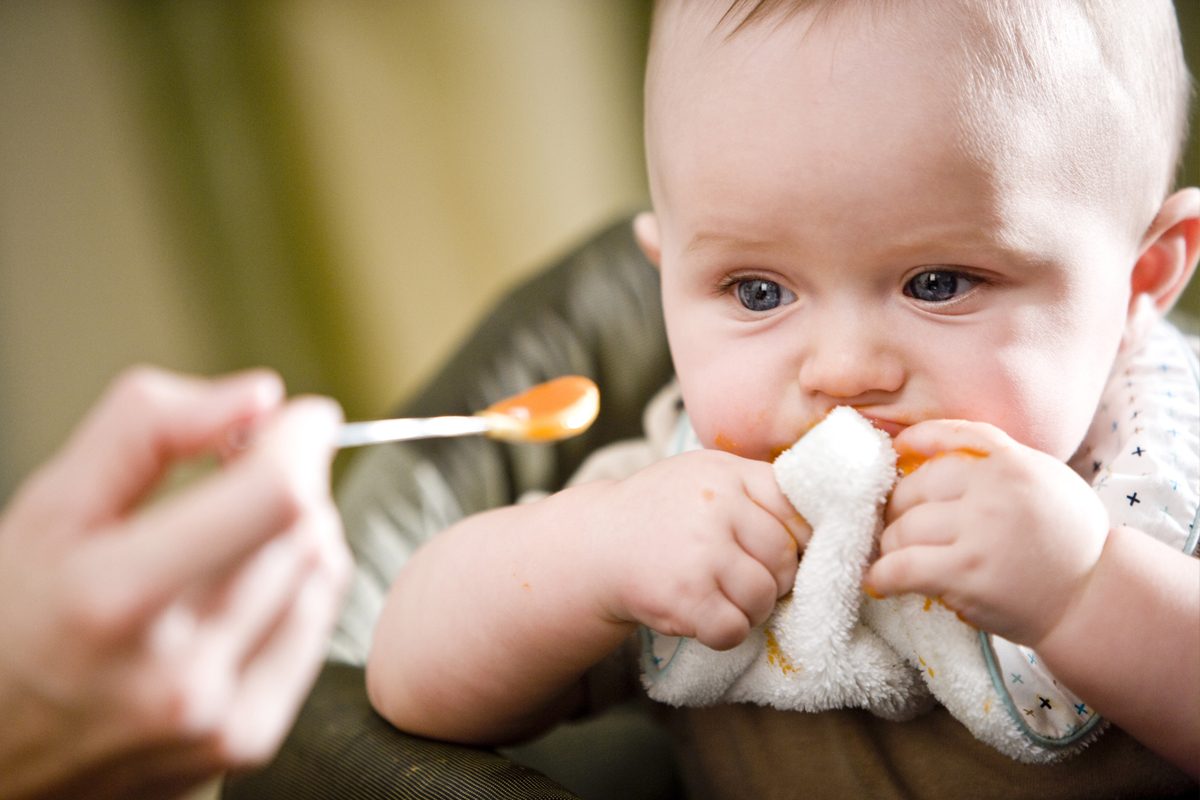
(955, 217)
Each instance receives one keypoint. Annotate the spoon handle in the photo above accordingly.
(356, 434)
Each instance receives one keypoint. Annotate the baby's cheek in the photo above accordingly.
(742, 441)
(1043, 401)
(752, 414)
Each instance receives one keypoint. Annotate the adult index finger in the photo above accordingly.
(211, 528)
(148, 419)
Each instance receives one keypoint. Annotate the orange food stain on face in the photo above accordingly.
(723, 442)
(908, 463)
(708, 494)
(552, 410)
(776, 656)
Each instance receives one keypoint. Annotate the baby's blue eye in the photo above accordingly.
(939, 286)
(757, 294)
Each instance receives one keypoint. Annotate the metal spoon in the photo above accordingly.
(557, 409)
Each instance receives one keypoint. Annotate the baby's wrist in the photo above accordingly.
(1086, 605)
(583, 538)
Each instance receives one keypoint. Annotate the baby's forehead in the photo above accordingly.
(1001, 41)
(1103, 79)
(987, 61)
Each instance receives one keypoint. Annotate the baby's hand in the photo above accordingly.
(1004, 534)
(700, 545)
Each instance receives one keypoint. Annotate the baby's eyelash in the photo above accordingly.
(974, 281)
(727, 284)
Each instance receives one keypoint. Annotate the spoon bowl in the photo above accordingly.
(548, 412)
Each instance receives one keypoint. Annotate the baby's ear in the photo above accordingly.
(645, 230)
(1169, 252)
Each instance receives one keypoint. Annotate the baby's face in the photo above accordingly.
(834, 231)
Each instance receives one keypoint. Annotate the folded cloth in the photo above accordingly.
(815, 652)
(827, 645)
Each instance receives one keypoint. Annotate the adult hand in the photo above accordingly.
(144, 647)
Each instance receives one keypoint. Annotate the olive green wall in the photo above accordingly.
(337, 190)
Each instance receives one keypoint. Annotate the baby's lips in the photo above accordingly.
(890, 427)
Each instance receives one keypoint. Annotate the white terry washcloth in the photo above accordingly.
(815, 652)
(827, 645)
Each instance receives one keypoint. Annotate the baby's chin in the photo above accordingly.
(755, 450)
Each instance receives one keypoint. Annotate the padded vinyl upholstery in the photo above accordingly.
(595, 313)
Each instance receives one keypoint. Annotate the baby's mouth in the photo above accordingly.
(890, 427)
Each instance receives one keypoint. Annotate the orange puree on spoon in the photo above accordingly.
(550, 411)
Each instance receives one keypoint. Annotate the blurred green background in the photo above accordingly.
(1188, 12)
(334, 189)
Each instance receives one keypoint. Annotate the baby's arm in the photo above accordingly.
(1020, 546)
(1130, 644)
(486, 632)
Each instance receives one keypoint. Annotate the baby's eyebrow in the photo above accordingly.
(955, 244)
(991, 245)
(704, 240)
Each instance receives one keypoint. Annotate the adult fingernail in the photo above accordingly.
(263, 384)
(323, 415)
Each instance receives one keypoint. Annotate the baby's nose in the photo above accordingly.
(850, 359)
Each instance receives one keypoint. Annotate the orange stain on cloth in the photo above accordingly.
(775, 655)
(929, 601)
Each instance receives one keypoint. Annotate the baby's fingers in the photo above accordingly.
(770, 547)
(937, 482)
(750, 587)
(921, 569)
(916, 552)
(927, 524)
(720, 624)
(774, 532)
(932, 438)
